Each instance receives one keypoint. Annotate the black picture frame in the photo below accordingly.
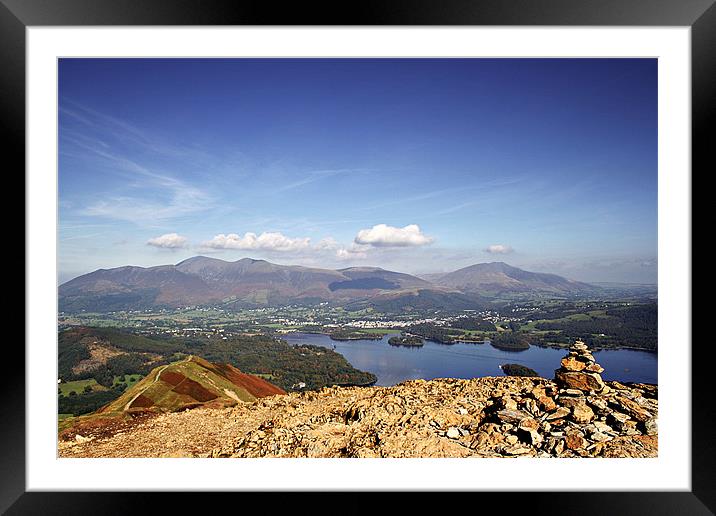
(699, 15)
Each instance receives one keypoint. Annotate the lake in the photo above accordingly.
(395, 364)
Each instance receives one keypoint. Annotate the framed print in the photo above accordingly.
(293, 251)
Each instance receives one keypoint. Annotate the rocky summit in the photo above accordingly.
(575, 415)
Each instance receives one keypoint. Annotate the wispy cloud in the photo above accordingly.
(179, 199)
(146, 197)
(450, 194)
(353, 252)
(121, 131)
(412, 199)
(498, 249)
(455, 207)
(320, 175)
(80, 237)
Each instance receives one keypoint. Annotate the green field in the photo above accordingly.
(383, 331)
(265, 376)
(78, 386)
(263, 354)
(477, 333)
(574, 317)
(130, 379)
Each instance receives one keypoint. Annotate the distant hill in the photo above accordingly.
(498, 278)
(243, 283)
(418, 299)
(249, 283)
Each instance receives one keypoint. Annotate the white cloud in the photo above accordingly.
(498, 249)
(168, 241)
(265, 242)
(355, 251)
(327, 244)
(326, 247)
(383, 235)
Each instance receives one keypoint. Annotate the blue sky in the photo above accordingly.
(417, 165)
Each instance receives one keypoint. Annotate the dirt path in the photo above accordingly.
(156, 379)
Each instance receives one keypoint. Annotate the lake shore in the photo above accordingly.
(396, 364)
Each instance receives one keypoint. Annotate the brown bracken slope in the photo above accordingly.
(576, 415)
(189, 383)
(481, 417)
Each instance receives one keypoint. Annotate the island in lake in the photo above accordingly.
(354, 335)
(510, 342)
(518, 370)
(406, 340)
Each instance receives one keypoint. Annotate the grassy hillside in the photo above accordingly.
(188, 383)
(98, 357)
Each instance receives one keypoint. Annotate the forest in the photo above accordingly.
(628, 326)
(283, 365)
(473, 323)
(510, 341)
(435, 333)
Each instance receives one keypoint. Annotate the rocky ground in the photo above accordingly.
(481, 417)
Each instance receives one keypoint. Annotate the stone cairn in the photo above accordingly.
(580, 371)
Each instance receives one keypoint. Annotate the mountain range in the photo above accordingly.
(249, 283)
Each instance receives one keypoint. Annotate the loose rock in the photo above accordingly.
(481, 417)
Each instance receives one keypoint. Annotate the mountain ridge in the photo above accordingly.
(249, 282)
(491, 275)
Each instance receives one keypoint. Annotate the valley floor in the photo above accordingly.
(482, 417)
